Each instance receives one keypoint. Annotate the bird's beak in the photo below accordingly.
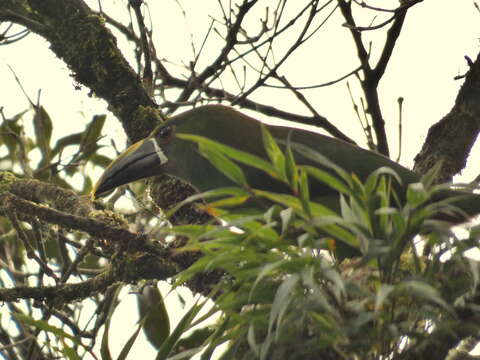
(141, 160)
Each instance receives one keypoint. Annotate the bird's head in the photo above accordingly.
(165, 152)
(143, 159)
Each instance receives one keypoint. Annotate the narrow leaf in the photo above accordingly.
(238, 155)
(382, 294)
(45, 326)
(128, 345)
(153, 314)
(183, 325)
(325, 177)
(282, 299)
(42, 125)
(225, 166)
(274, 153)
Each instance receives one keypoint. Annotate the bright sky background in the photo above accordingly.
(429, 54)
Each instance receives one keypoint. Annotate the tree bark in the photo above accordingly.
(451, 139)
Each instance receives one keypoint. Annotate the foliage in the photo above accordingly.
(299, 279)
(285, 292)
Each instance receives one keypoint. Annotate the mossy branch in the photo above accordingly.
(79, 37)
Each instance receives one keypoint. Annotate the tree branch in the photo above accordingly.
(220, 94)
(90, 226)
(79, 37)
(450, 140)
(392, 36)
(41, 192)
(372, 76)
(230, 42)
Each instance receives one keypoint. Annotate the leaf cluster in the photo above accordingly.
(304, 281)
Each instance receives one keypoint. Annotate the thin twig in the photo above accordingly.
(328, 83)
(400, 120)
(147, 72)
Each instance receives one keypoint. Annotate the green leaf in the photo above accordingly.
(382, 294)
(131, 340)
(357, 189)
(87, 185)
(225, 166)
(416, 194)
(105, 347)
(154, 315)
(186, 354)
(323, 217)
(69, 353)
(10, 129)
(322, 160)
(325, 177)
(305, 193)
(17, 116)
(283, 297)
(266, 270)
(183, 325)
(274, 153)
(194, 340)
(425, 291)
(290, 201)
(100, 160)
(287, 216)
(62, 143)
(217, 193)
(432, 174)
(233, 201)
(89, 143)
(232, 153)
(373, 180)
(252, 342)
(113, 302)
(45, 326)
(346, 211)
(291, 169)
(42, 124)
(216, 339)
(94, 129)
(190, 231)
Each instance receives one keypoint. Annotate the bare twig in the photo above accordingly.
(28, 247)
(400, 120)
(147, 72)
(301, 38)
(231, 40)
(328, 83)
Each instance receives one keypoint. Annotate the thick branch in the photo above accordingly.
(372, 76)
(451, 139)
(158, 262)
(90, 226)
(62, 293)
(143, 267)
(370, 81)
(41, 192)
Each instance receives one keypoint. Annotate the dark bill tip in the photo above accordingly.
(141, 160)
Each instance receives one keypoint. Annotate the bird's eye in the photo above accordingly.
(165, 132)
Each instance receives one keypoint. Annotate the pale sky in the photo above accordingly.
(436, 36)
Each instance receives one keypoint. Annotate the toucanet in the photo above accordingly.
(163, 152)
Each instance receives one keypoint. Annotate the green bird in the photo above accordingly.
(163, 152)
